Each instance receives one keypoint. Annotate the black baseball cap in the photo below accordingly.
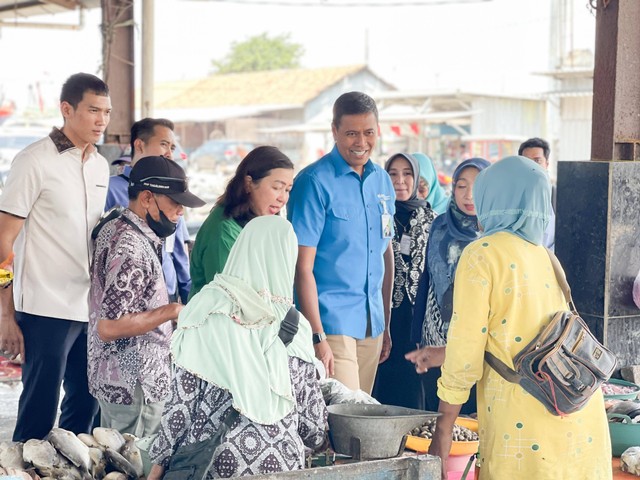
(164, 176)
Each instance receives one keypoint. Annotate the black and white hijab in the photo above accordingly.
(412, 221)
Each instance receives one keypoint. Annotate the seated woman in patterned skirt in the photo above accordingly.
(229, 357)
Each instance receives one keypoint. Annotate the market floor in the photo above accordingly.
(9, 395)
(619, 474)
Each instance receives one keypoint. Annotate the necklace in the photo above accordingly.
(402, 227)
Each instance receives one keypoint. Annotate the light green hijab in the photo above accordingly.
(513, 195)
(227, 334)
(436, 197)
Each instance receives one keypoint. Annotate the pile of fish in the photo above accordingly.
(460, 433)
(105, 455)
(609, 388)
(630, 408)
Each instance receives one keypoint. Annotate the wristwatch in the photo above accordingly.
(318, 337)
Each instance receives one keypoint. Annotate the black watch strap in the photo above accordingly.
(318, 337)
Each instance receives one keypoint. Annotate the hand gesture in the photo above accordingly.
(426, 357)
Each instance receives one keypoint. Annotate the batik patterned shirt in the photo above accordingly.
(197, 408)
(126, 277)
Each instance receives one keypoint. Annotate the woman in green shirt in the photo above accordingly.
(260, 186)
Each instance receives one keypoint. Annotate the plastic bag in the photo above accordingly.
(335, 392)
(630, 461)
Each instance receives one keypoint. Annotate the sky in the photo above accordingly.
(491, 46)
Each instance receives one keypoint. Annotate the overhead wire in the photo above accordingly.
(343, 3)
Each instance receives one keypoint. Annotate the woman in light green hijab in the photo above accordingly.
(227, 354)
(436, 196)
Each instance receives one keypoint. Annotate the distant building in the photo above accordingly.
(292, 110)
(259, 107)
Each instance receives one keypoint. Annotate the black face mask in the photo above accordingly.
(163, 227)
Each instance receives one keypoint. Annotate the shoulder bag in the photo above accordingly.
(564, 364)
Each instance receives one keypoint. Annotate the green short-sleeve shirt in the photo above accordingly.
(211, 249)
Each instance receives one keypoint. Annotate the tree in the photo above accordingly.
(260, 53)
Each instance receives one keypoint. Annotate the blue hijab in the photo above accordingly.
(437, 197)
(450, 234)
(514, 195)
(448, 237)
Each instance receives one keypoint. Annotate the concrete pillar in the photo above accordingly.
(598, 204)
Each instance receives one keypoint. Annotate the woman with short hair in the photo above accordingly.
(260, 186)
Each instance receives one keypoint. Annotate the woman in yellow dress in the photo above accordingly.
(505, 292)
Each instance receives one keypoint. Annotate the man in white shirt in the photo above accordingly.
(54, 195)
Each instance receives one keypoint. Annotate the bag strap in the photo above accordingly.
(289, 326)
(221, 433)
(227, 421)
(499, 366)
(562, 280)
(200, 471)
(107, 216)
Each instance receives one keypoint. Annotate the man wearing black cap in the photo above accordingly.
(129, 323)
(151, 137)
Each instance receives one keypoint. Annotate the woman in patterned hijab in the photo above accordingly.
(397, 382)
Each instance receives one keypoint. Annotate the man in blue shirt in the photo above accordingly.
(155, 137)
(342, 208)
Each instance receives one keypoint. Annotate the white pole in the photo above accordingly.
(148, 23)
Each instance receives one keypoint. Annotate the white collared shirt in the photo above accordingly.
(61, 198)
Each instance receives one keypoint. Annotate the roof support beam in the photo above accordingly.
(70, 4)
(615, 131)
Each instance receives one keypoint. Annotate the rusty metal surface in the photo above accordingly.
(616, 92)
(15, 10)
(418, 467)
(118, 42)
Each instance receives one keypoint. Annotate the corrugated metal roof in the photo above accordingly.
(22, 9)
(276, 87)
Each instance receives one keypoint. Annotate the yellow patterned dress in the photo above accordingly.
(505, 291)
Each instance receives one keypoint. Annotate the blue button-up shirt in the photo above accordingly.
(175, 264)
(339, 213)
